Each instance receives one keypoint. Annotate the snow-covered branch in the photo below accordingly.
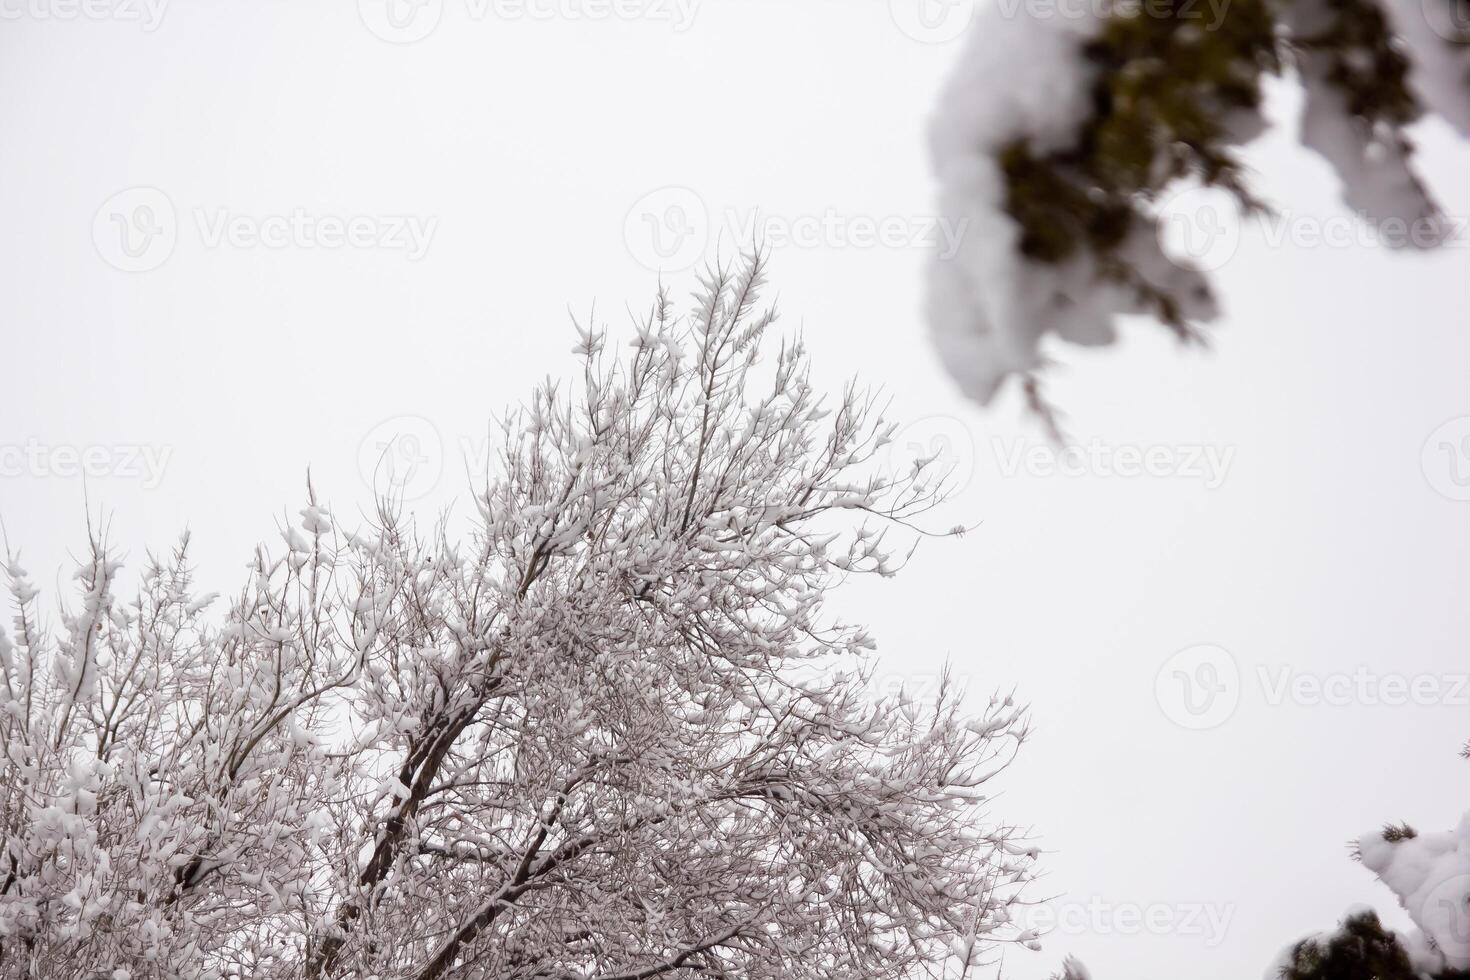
(1064, 130)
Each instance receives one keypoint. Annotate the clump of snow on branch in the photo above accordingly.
(1361, 134)
(1437, 37)
(989, 306)
(1430, 874)
(1060, 133)
(609, 733)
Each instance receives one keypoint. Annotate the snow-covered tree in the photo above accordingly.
(610, 733)
(1068, 122)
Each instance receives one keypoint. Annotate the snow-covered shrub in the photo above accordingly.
(609, 733)
(1360, 949)
(1063, 128)
(1430, 875)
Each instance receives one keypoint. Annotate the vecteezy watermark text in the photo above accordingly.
(672, 229)
(147, 14)
(1095, 916)
(1205, 463)
(408, 233)
(407, 21)
(126, 461)
(1200, 687)
(1202, 227)
(137, 229)
(1282, 684)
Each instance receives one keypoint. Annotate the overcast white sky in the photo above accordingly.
(501, 167)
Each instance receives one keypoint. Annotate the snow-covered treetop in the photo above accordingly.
(609, 734)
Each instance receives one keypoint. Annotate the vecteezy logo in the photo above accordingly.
(136, 230)
(1199, 687)
(935, 448)
(1450, 19)
(932, 21)
(1201, 226)
(1445, 916)
(401, 21)
(668, 230)
(402, 458)
(1446, 459)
